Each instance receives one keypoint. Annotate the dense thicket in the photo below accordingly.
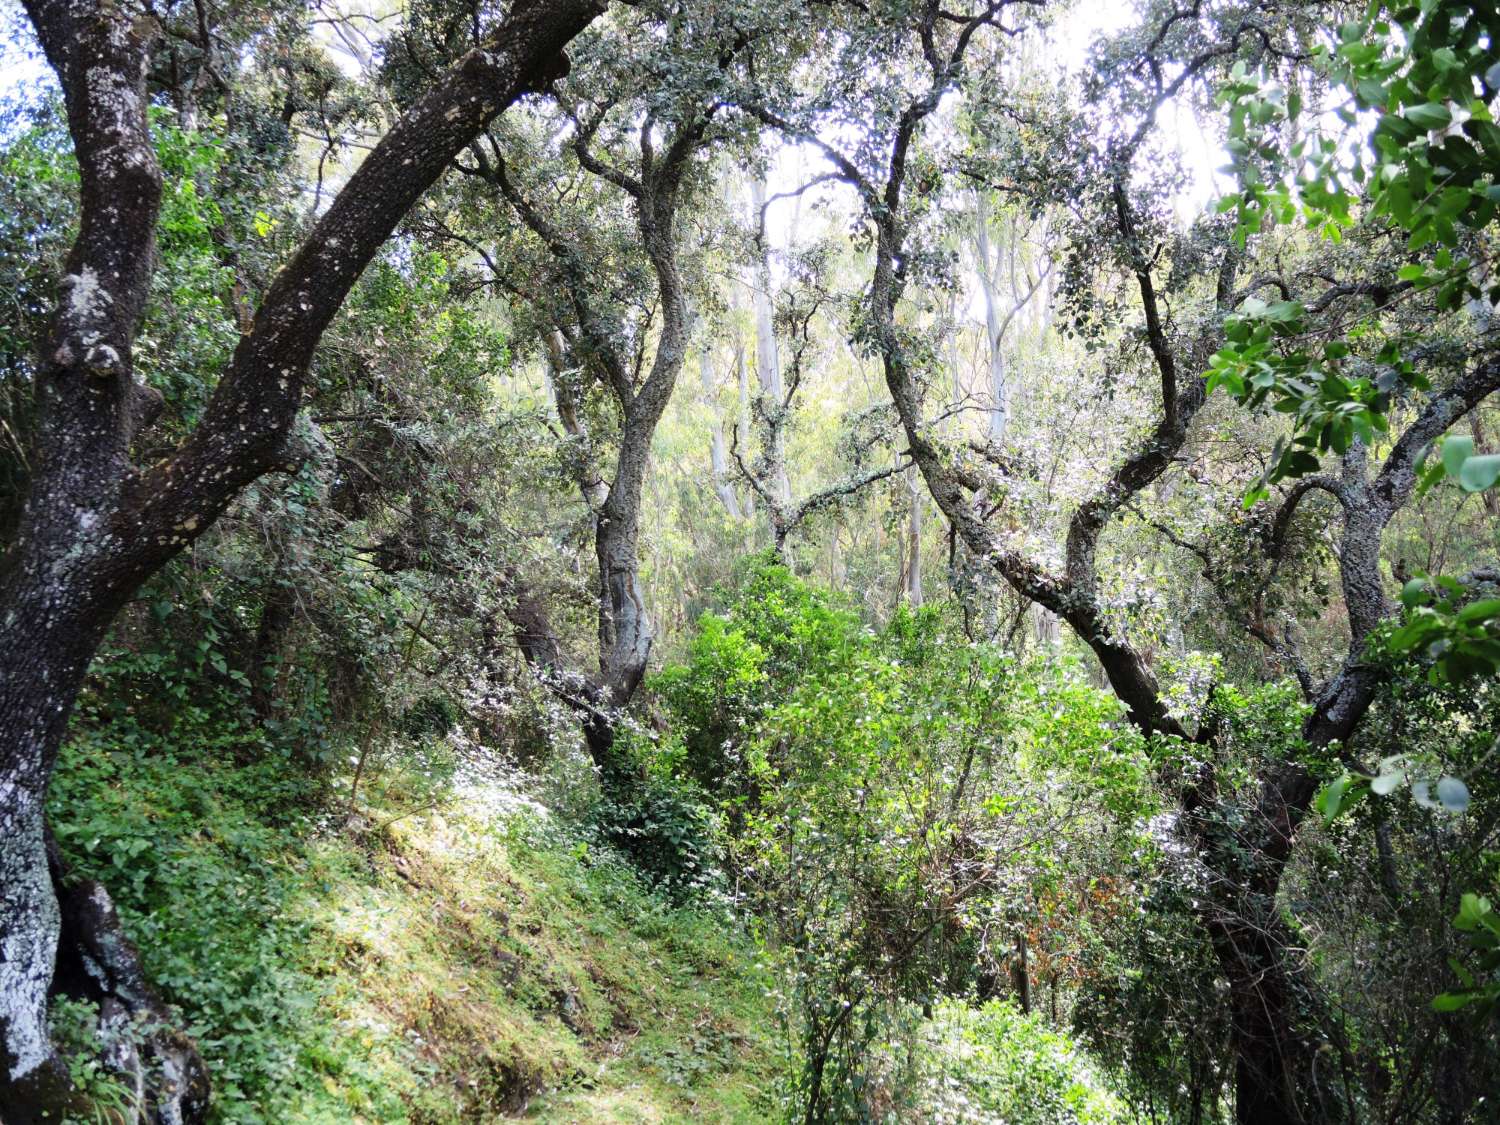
(995, 501)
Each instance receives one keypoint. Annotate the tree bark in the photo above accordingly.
(278, 613)
(1278, 1079)
(999, 413)
(915, 495)
(742, 417)
(625, 629)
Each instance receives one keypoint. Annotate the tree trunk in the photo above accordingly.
(277, 614)
(999, 388)
(97, 962)
(742, 420)
(717, 453)
(94, 525)
(48, 638)
(767, 362)
(35, 698)
(625, 630)
(1278, 1080)
(915, 495)
(1287, 1053)
(1021, 973)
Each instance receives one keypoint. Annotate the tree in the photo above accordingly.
(94, 523)
(1276, 1078)
(633, 138)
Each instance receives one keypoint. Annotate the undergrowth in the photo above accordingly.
(461, 962)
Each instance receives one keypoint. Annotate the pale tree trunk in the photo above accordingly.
(1046, 626)
(767, 362)
(742, 419)
(915, 495)
(717, 452)
(994, 324)
(1022, 289)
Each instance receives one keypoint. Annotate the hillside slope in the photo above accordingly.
(462, 962)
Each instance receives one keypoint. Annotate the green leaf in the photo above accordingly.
(1386, 783)
(1472, 910)
(1341, 795)
(1456, 450)
(1453, 794)
(1371, 92)
(1414, 592)
(1431, 115)
(1331, 797)
(1451, 1001)
(1479, 473)
(1480, 611)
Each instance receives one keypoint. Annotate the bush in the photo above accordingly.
(994, 1064)
(208, 865)
(663, 824)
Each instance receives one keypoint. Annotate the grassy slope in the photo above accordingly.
(462, 964)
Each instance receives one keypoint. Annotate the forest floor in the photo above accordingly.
(467, 961)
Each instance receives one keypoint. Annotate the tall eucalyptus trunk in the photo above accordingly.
(994, 325)
(718, 455)
(915, 495)
(767, 361)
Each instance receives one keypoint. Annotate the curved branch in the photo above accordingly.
(1398, 475)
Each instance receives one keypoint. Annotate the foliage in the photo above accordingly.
(1478, 921)
(1423, 172)
(898, 798)
(852, 856)
(96, 1084)
(664, 824)
(402, 975)
(994, 1064)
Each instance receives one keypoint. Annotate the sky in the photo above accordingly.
(20, 68)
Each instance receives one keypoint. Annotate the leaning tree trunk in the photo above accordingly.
(45, 646)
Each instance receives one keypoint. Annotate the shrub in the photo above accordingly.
(994, 1064)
